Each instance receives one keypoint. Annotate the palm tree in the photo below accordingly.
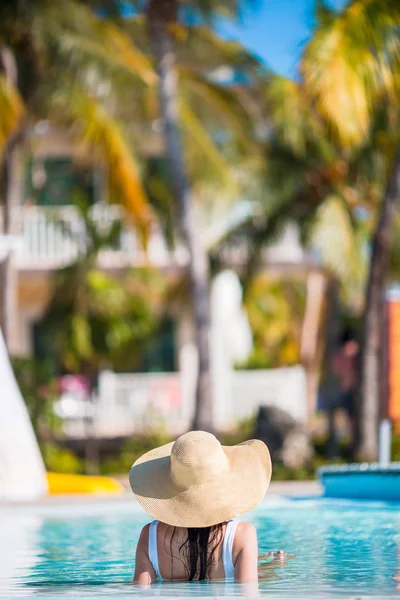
(311, 179)
(351, 69)
(53, 65)
(11, 135)
(165, 27)
(162, 17)
(82, 65)
(163, 21)
(329, 191)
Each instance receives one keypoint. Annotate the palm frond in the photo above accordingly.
(335, 238)
(84, 41)
(348, 64)
(102, 135)
(199, 46)
(220, 102)
(324, 13)
(11, 109)
(204, 142)
(254, 234)
(293, 118)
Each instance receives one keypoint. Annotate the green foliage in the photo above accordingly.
(131, 451)
(275, 311)
(396, 447)
(61, 460)
(282, 473)
(39, 390)
(328, 190)
(350, 65)
(61, 59)
(65, 461)
(243, 431)
(95, 319)
(138, 445)
(93, 75)
(135, 447)
(313, 180)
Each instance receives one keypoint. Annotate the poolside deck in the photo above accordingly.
(276, 490)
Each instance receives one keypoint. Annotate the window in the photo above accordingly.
(160, 355)
(53, 181)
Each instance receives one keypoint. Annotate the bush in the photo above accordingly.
(244, 431)
(135, 447)
(61, 460)
(396, 447)
(138, 445)
(131, 450)
(39, 390)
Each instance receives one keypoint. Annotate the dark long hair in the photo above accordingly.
(198, 550)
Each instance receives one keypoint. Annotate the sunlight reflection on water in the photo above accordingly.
(342, 550)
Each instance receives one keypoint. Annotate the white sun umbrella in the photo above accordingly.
(22, 472)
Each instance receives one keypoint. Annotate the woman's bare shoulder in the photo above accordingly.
(144, 536)
(246, 534)
(245, 529)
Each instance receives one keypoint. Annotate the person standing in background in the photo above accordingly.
(344, 367)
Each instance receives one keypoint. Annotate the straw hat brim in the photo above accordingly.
(238, 490)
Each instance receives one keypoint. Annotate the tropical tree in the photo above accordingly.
(163, 20)
(312, 181)
(83, 88)
(167, 22)
(351, 69)
(329, 192)
(56, 65)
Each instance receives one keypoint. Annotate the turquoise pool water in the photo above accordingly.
(342, 550)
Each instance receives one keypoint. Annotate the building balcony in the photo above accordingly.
(52, 238)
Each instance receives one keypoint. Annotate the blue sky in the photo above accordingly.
(276, 31)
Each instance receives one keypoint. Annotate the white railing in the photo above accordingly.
(141, 402)
(51, 238)
(284, 388)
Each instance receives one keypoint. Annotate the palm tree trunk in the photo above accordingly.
(9, 174)
(310, 336)
(9, 193)
(161, 17)
(370, 365)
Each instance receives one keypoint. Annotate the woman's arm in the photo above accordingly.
(144, 572)
(246, 550)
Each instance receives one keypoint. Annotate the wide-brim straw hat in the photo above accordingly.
(197, 482)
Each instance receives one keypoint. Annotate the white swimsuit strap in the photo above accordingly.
(230, 531)
(153, 549)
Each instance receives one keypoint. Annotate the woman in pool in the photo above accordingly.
(194, 488)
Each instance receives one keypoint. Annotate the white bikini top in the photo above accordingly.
(226, 549)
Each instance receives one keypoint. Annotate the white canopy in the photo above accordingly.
(22, 472)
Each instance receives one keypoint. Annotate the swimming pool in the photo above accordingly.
(342, 550)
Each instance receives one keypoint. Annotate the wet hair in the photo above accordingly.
(198, 550)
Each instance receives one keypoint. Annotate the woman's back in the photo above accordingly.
(194, 487)
(180, 554)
